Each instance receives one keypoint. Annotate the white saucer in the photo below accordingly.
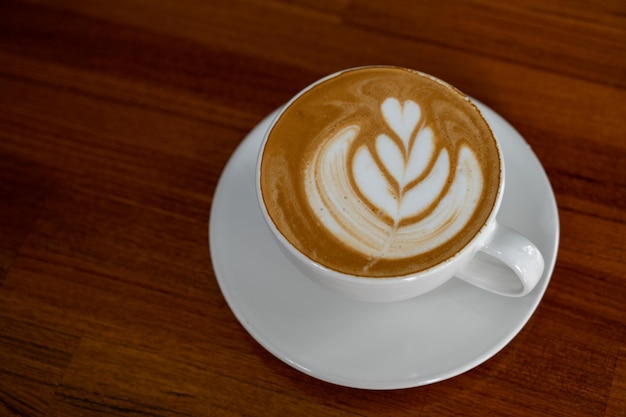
(377, 346)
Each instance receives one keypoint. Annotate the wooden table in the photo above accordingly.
(117, 118)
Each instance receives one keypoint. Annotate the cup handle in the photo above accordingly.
(506, 264)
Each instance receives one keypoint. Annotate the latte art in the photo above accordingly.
(409, 198)
(379, 172)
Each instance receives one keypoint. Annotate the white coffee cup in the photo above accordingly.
(497, 258)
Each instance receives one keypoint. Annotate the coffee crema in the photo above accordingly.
(380, 172)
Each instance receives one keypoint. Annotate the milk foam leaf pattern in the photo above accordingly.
(392, 186)
(392, 157)
(373, 184)
(413, 198)
(387, 201)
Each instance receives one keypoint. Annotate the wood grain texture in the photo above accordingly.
(117, 118)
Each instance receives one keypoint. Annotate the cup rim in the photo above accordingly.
(487, 226)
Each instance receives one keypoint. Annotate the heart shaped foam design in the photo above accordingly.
(401, 118)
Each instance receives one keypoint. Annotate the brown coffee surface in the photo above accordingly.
(380, 172)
